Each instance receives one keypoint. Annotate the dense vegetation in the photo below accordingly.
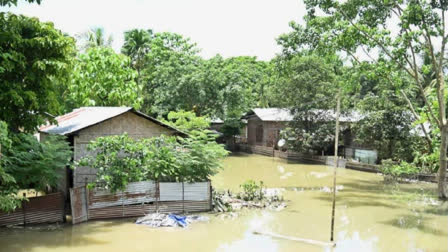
(396, 80)
(121, 159)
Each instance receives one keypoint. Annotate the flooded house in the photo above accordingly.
(85, 124)
(264, 126)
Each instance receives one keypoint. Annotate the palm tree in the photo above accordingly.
(95, 37)
(137, 43)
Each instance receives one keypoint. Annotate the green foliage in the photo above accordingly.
(178, 79)
(187, 121)
(35, 59)
(395, 171)
(171, 58)
(389, 132)
(120, 160)
(427, 163)
(8, 187)
(93, 38)
(103, 78)
(8, 192)
(201, 158)
(4, 139)
(37, 165)
(415, 53)
(252, 190)
(308, 87)
(137, 43)
(14, 2)
(231, 127)
(306, 82)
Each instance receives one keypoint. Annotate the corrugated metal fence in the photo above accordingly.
(140, 198)
(42, 209)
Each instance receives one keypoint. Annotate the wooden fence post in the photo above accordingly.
(336, 161)
(157, 196)
(87, 194)
(24, 210)
(210, 198)
(183, 197)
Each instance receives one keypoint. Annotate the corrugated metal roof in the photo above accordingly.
(87, 116)
(274, 114)
(285, 115)
(216, 121)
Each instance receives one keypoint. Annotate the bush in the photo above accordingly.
(428, 162)
(396, 171)
(251, 190)
(37, 165)
(8, 186)
(120, 160)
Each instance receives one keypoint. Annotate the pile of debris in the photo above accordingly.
(270, 198)
(169, 220)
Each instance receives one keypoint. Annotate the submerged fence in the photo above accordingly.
(140, 198)
(42, 209)
(291, 155)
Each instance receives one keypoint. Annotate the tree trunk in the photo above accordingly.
(443, 163)
(443, 125)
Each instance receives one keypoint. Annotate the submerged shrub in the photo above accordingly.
(251, 190)
(395, 171)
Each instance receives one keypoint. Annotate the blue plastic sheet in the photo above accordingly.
(180, 220)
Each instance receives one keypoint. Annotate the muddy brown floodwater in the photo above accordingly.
(370, 216)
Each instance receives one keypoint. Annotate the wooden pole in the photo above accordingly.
(157, 196)
(183, 197)
(298, 239)
(335, 162)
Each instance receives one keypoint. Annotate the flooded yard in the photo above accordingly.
(370, 216)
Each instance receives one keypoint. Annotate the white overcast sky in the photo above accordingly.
(227, 27)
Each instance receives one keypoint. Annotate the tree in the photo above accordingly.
(178, 79)
(14, 2)
(365, 25)
(137, 43)
(8, 187)
(168, 64)
(94, 37)
(35, 58)
(307, 86)
(187, 121)
(387, 125)
(247, 82)
(37, 165)
(103, 78)
(231, 127)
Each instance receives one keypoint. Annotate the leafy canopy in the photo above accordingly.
(103, 78)
(177, 78)
(14, 2)
(95, 37)
(120, 160)
(187, 121)
(308, 88)
(8, 187)
(37, 165)
(35, 59)
(353, 25)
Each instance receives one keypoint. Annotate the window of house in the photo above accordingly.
(259, 134)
